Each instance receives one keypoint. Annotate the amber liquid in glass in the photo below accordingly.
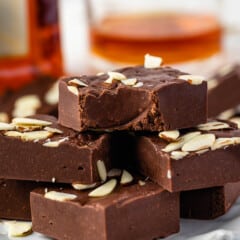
(43, 56)
(175, 37)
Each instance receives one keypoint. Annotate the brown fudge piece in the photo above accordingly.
(223, 90)
(209, 203)
(38, 97)
(74, 159)
(162, 102)
(199, 162)
(15, 198)
(129, 212)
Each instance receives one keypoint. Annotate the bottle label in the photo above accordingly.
(13, 28)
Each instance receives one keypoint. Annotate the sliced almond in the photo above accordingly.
(80, 186)
(173, 146)
(129, 81)
(169, 174)
(182, 140)
(4, 117)
(236, 140)
(73, 90)
(60, 196)
(212, 83)
(215, 125)
(6, 126)
(53, 130)
(100, 73)
(202, 151)
(18, 229)
(141, 183)
(152, 61)
(54, 143)
(24, 112)
(36, 135)
(115, 76)
(198, 143)
(27, 128)
(52, 95)
(126, 177)
(30, 121)
(226, 114)
(31, 100)
(178, 155)
(192, 79)
(188, 136)
(77, 82)
(109, 80)
(13, 134)
(226, 70)
(236, 120)
(222, 142)
(26, 105)
(169, 135)
(138, 84)
(102, 170)
(104, 189)
(115, 172)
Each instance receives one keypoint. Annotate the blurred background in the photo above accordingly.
(75, 22)
(61, 37)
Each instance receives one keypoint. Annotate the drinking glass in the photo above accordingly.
(121, 32)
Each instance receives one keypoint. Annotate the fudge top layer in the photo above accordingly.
(119, 196)
(45, 130)
(212, 135)
(147, 78)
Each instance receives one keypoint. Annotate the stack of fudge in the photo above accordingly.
(132, 150)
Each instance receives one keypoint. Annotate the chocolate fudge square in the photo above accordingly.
(132, 98)
(129, 212)
(39, 149)
(209, 203)
(37, 97)
(15, 199)
(201, 157)
(223, 90)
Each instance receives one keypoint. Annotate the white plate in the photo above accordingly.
(226, 227)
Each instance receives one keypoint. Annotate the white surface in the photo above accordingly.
(226, 227)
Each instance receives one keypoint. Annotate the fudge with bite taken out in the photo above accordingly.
(133, 98)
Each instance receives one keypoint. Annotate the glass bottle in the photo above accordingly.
(29, 41)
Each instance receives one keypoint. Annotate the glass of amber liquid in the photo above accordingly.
(121, 32)
(29, 42)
